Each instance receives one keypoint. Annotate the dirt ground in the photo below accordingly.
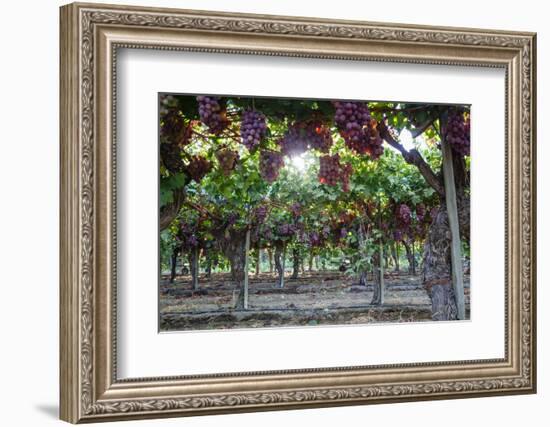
(319, 298)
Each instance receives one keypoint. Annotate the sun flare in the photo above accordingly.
(298, 162)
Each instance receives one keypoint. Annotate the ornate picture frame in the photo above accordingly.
(90, 37)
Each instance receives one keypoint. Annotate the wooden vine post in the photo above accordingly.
(282, 282)
(381, 270)
(258, 260)
(452, 212)
(246, 263)
(381, 253)
(195, 267)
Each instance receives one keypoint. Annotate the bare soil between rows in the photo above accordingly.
(319, 298)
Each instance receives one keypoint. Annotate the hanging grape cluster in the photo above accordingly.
(253, 128)
(320, 137)
(170, 155)
(374, 147)
(286, 229)
(271, 163)
(198, 167)
(187, 236)
(174, 135)
(212, 113)
(315, 239)
(457, 133)
(302, 135)
(358, 129)
(227, 160)
(260, 214)
(296, 209)
(411, 222)
(403, 215)
(345, 173)
(172, 125)
(329, 169)
(420, 212)
(398, 235)
(401, 222)
(338, 233)
(340, 226)
(232, 218)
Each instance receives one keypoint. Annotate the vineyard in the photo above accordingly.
(280, 212)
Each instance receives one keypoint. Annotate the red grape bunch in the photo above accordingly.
(296, 209)
(457, 133)
(398, 235)
(212, 113)
(402, 221)
(321, 137)
(270, 164)
(315, 239)
(358, 129)
(403, 215)
(198, 167)
(171, 125)
(350, 118)
(227, 160)
(170, 155)
(253, 128)
(171, 147)
(329, 169)
(174, 135)
(374, 146)
(286, 230)
(345, 173)
(260, 214)
(420, 212)
(187, 236)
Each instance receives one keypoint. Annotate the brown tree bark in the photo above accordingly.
(410, 257)
(362, 243)
(377, 295)
(194, 267)
(258, 260)
(295, 263)
(279, 263)
(170, 211)
(232, 244)
(173, 263)
(208, 268)
(270, 259)
(395, 255)
(436, 274)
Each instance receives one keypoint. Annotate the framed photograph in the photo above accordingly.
(268, 212)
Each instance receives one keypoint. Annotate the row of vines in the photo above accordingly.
(312, 182)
